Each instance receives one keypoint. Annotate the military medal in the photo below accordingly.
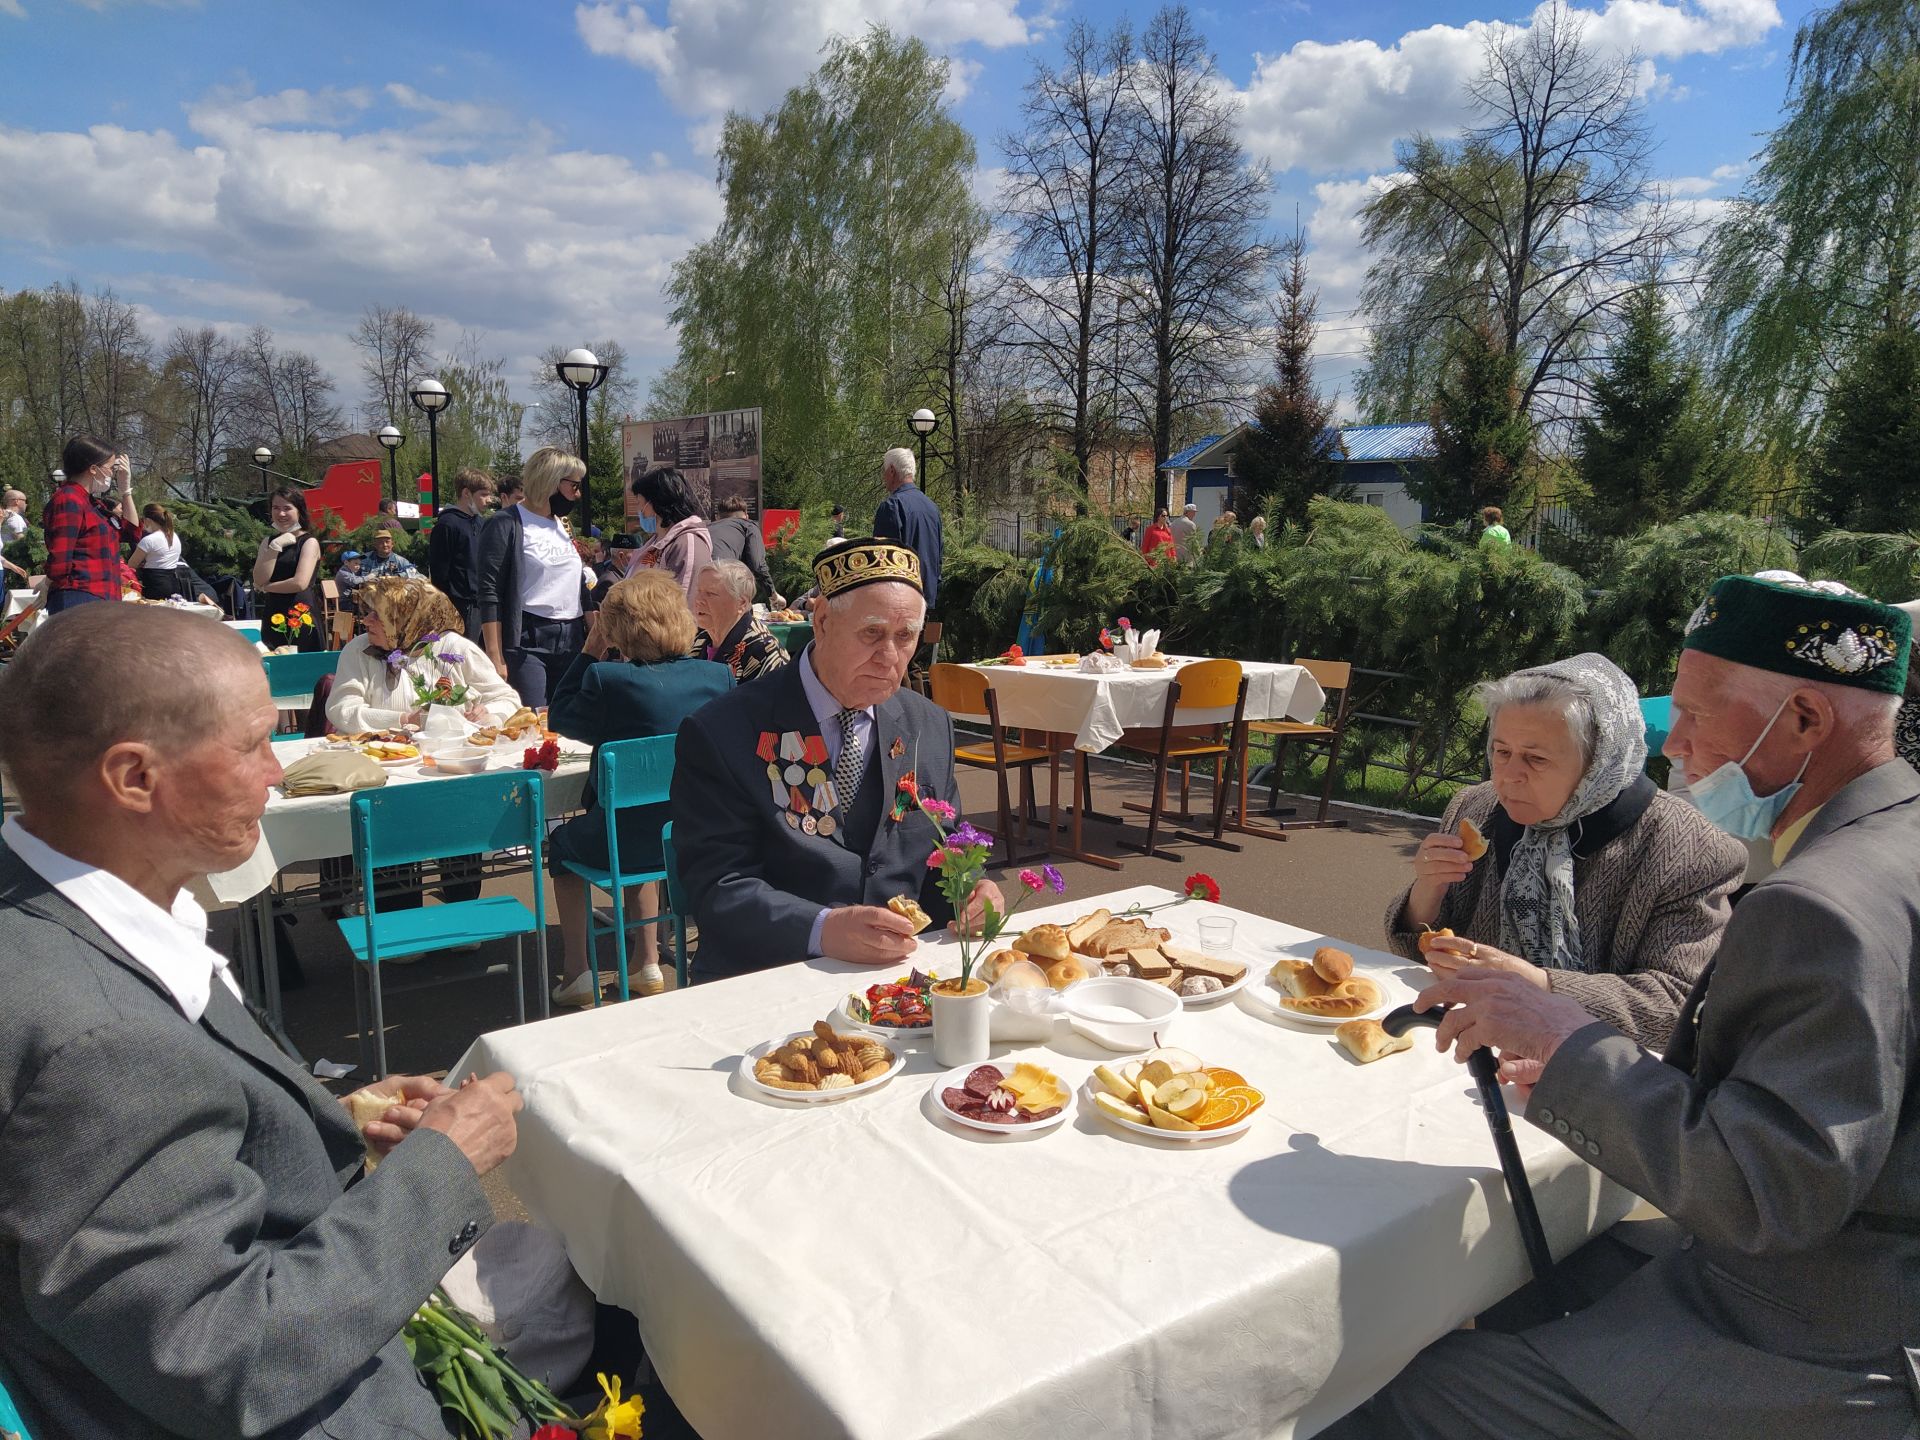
(825, 824)
(795, 773)
(809, 824)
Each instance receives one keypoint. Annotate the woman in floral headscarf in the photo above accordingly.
(1596, 883)
(413, 635)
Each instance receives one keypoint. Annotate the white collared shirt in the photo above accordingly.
(171, 946)
(826, 714)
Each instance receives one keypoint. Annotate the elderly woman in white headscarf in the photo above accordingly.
(1595, 882)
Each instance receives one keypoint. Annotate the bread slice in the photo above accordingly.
(1196, 962)
(1148, 962)
(1086, 926)
(1117, 935)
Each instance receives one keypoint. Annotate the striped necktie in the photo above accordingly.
(847, 771)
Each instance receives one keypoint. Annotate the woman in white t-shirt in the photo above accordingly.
(532, 582)
(157, 556)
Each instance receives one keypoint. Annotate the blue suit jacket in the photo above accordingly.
(910, 518)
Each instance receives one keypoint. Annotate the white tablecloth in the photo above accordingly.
(1095, 709)
(864, 1269)
(315, 827)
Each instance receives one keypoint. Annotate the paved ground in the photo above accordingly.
(1335, 881)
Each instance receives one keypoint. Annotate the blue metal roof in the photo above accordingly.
(1185, 457)
(1406, 440)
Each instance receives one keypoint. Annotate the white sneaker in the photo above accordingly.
(647, 980)
(579, 991)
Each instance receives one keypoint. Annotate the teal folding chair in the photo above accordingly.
(464, 815)
(12, 1427)
(627, 773)
(292, 678)
(676, 899)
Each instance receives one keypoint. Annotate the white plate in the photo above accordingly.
(953, 1080)
(809, 1097)
(1267, 997)
(1153, 1132)
(844, 1012)
(1200, 1002)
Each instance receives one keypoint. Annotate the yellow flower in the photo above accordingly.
(615, 1419)
(279, 619)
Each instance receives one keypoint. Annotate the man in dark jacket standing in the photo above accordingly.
(453, 546)
(736, 537)
(909, 518)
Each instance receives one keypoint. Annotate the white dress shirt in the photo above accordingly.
(172, 946)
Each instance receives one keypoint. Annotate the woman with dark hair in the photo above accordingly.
(680, 544)
(157, 557)
(286, 569)
(85, 527)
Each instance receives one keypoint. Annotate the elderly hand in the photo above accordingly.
(1455, 954)
(971, 921)
(478, 1117)
(1499, 1011)
(416, 1092)
(476, 712)
(596, 644)
(1439, 864)
(867, 935)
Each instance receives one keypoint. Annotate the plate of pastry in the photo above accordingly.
(820, 1064)
(1324, 991)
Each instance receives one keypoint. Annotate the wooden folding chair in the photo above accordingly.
(1325, 731)
(928, 655)
(330, 613)
(1186, 734)
(965, 694)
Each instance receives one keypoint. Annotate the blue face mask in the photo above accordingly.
(1726, 796)
(649, 524)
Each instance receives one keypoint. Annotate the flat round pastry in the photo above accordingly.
(1045, 942)
(1062, 973)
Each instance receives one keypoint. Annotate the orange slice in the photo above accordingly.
(1221, 1076)
(1221, 1113)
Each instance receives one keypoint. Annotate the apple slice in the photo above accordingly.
(1147, 1090)
(1179, 1062)
(1157, 1072)
(1130, 1072)
(1183, 1095)
(1167, 1120)
(1113, 1083)
(1119, 1109)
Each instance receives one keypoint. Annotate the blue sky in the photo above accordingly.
(529, 171)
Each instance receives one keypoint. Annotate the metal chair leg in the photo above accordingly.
(379, 1023)
(519, 981)
(619, 941)
(540, 955)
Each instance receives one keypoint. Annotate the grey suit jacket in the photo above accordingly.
(1776, 1134)
(186, 1245)
(756, 883)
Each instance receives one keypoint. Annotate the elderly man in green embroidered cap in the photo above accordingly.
(1774, 1132)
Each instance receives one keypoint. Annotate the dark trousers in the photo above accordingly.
(58, 600)
(546, 648)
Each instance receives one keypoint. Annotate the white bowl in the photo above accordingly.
(462, 760)
(1121, 1013)
(440, 744)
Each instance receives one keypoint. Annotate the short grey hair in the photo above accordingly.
(845, 601)
(7, 497)
(1869, 713)
(1549, 692)
(900, 461)
(736, 577)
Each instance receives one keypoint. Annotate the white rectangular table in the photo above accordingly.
(1097, 708)
(865, 1269)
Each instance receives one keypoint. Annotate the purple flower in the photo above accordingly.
(964, 835)
(1055, 879)
(448, 657)
(396, 660)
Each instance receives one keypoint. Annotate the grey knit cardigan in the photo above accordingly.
(1651, 904)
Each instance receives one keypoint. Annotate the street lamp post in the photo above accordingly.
(924, 423)
(723, 375)
(430, 396)
(582, 373)
(391, 440)
(263, 457)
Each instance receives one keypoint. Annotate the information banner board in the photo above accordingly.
(719, 454)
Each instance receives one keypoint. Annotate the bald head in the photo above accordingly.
(93, 677)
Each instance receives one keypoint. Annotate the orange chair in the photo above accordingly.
(965, 694)
(1336, 679)
(1185, 734)
(925, 657)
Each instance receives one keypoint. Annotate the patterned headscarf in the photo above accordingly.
(1537, 919)
(410, 610)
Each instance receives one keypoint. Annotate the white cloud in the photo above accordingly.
(306, 226)
(1339, 108)
(13, 9)
(710, 56)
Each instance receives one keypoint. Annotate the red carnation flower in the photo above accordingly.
(1203, 887)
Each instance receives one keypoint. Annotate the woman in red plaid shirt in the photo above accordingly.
(86, 527)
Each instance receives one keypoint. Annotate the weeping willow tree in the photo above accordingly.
(1822, 249)
(816, 298)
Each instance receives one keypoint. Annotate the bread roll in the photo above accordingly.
(1045, 943)
(1471, 837)
(1367, 1040)
(1332, 965)
(1350, 997)
(1298, 979)
(994, 964)
(369, 1107)
(1062, 973)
